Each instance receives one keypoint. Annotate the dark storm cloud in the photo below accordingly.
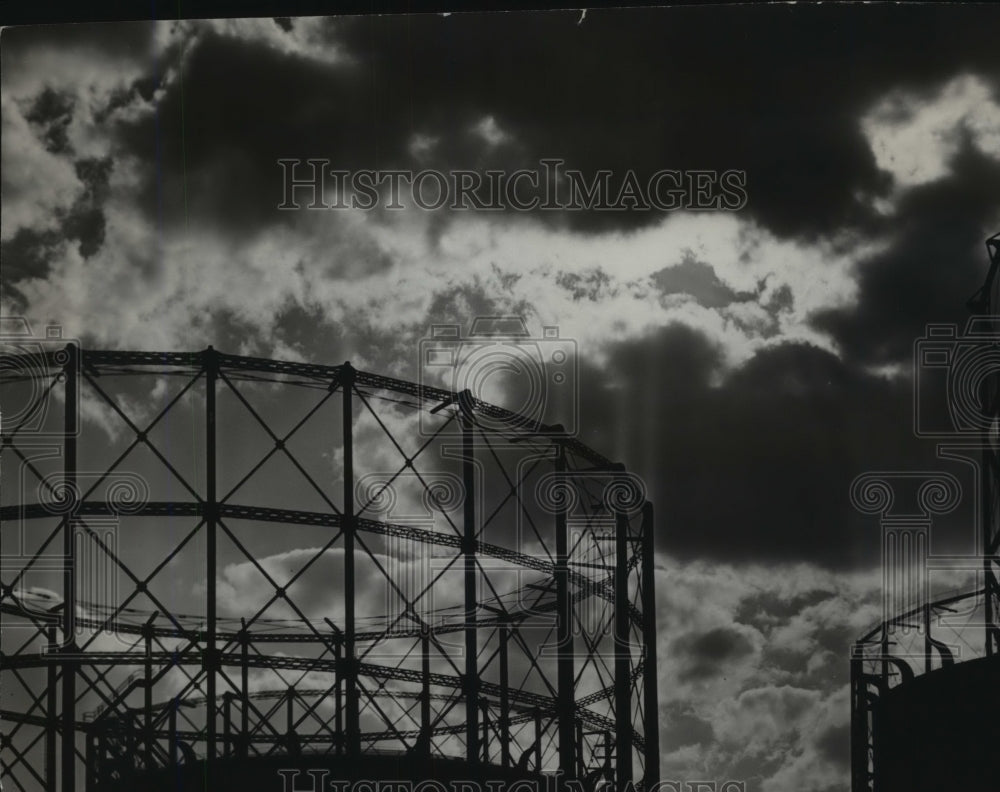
(218, 132)
(708, 654)
(216, 162)
(716, 646)
(86, 222)
(758, 467)
(776, 92)
(700, 281)
(50, 114)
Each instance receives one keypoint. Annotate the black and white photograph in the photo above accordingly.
(500, 400)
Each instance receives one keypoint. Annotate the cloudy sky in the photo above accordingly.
(747, 364)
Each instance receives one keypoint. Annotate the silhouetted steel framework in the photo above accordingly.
(171, 604)
(911, 728)
(984, 303)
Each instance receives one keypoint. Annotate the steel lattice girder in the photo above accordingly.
(202, 651)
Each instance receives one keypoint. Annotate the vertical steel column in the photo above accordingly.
(877, 770)
(538, 740)
(71, 371)
(623, 657)
(244, 743)
(578, 727)
(928, 639)
(884, 646)
(504, 696)
(565, 670)
(50, 715)
(651, 699)
(131, 722)
(425, 690)
(982, 304)
(486, 730)
(353, 731)
(211, 365)
(989, 494)
(147, 697)
(90, 760)
(859, 723)
(172, 731)
(338, 696)
(471, 681)
(227, 716)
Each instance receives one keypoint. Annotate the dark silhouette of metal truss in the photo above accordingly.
(98, 690)
(939, 632)
(985, 304)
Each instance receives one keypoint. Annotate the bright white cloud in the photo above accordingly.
(307, 37)
(37, 186)
(147, 289)
(763, 709)
(914, 137)
(490, 131)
